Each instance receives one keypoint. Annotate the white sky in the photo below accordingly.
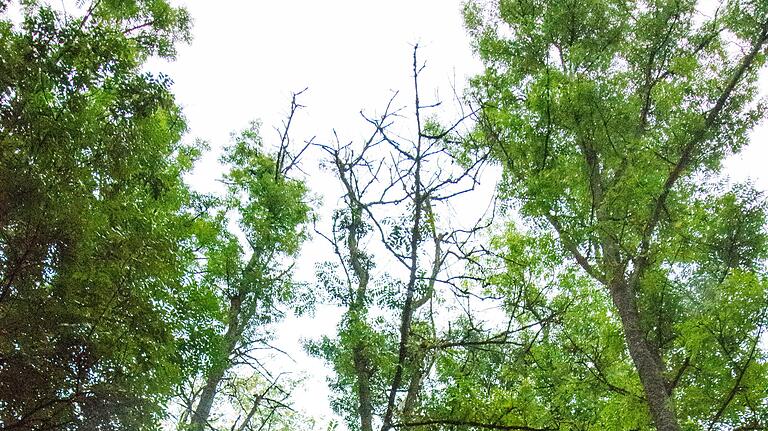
(248, 56)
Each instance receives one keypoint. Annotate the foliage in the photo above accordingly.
(246, 274)
(611, 120)
(622, 285)
(95, 219)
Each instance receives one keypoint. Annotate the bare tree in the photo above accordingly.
(393, 189)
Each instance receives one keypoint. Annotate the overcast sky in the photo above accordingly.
(248, 56)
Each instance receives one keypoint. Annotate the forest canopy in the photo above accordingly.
(614, 278)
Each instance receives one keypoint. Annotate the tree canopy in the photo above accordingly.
(612, 120)
(94, 217)
(616, 281)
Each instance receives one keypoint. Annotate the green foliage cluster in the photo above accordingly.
(623, 286)
(115, 277)
(94, 217)
(611, 120)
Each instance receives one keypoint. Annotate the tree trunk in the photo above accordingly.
(364, 409)
(199, 420)
(202, 412)
(646, 358)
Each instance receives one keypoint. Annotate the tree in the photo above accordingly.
(94, 217)
(248, 287)
(394, 250)
(611, 120)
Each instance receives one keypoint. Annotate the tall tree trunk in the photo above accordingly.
(645, 357)
(199, 420)
(203, 411)
(357, 311)
(362, 369)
